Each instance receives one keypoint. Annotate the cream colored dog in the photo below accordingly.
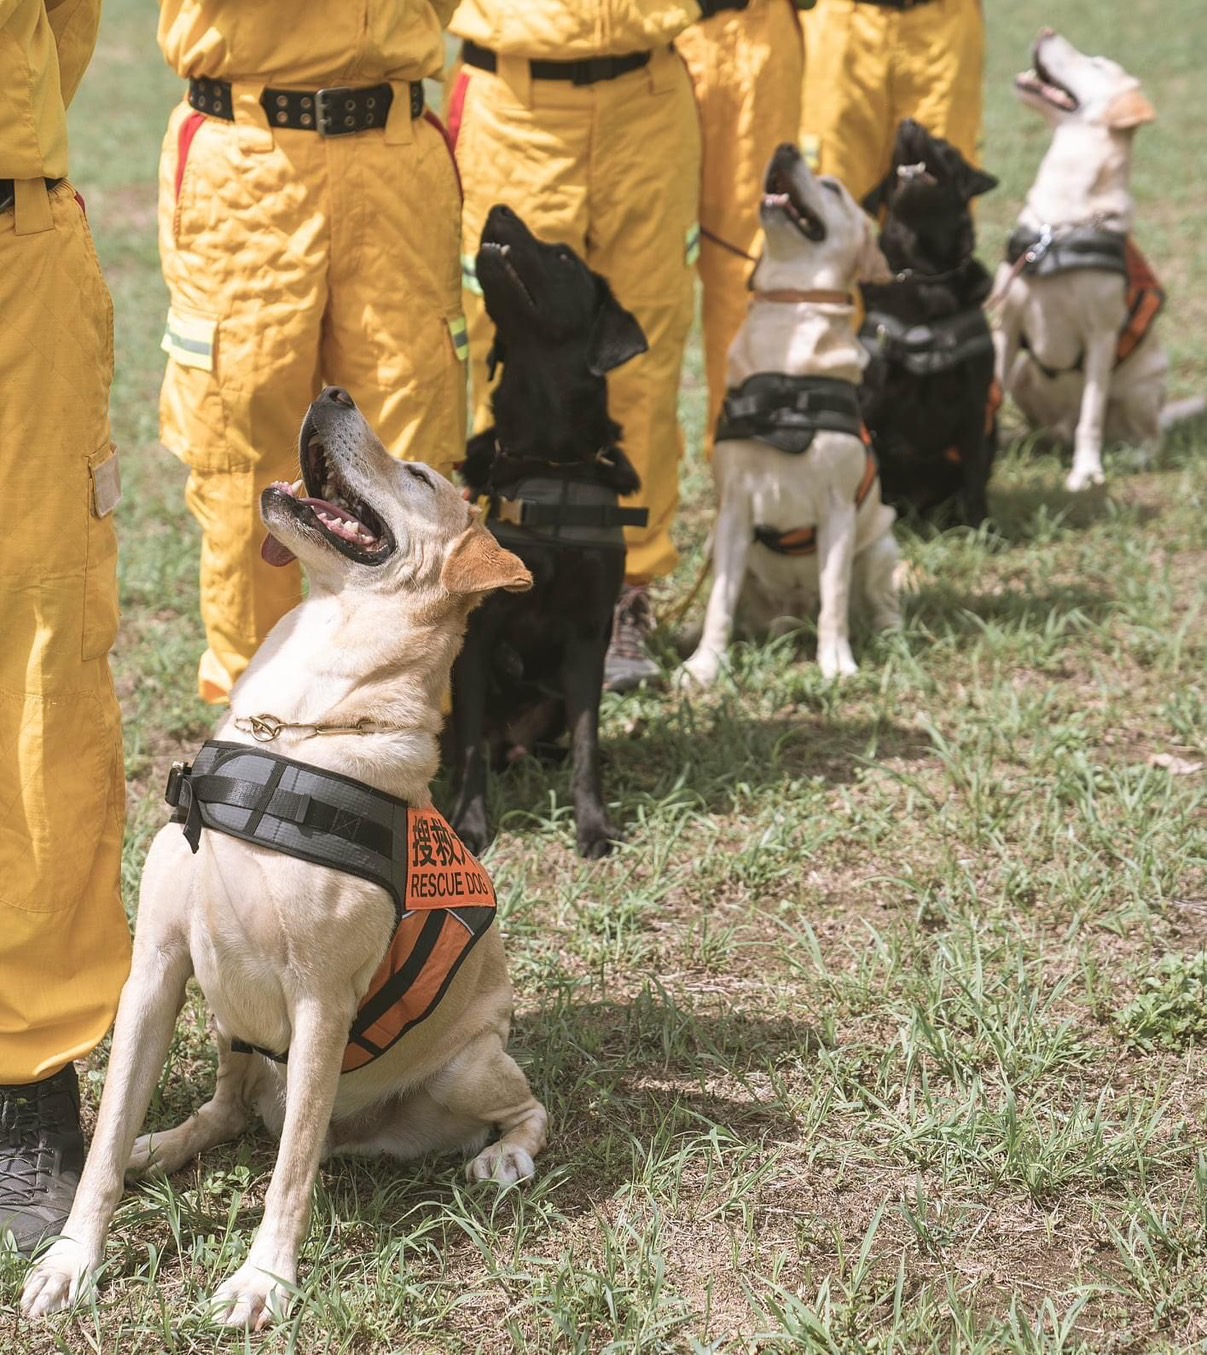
(819, 244)
(284, 949)
(1069, 323)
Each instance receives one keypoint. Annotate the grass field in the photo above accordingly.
(884, 1033)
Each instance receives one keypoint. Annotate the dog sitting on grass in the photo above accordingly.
(327, 911)
(799, 521)
(926, 393)
(553, 470)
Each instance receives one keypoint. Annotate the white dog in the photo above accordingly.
(348, 685)
(1064, 287)
(799, 517)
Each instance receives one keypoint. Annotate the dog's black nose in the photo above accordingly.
(339, 395)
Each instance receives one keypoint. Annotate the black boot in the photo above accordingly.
(41, 1157)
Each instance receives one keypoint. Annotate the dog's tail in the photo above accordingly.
(1178, 412)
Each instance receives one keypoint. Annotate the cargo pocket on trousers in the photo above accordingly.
(100, 568)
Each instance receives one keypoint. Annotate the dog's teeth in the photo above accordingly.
(505, 250)
(297, 487)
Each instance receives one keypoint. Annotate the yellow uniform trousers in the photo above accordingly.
(613, 170)
(294, 261)
(64, 942)
(870, 67)
(746, 70)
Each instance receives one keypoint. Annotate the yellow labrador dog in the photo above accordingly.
(347, 690)
(1064, 285)
(800, 520)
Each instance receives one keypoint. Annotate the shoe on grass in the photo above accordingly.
(41, 1157)
(628, 662)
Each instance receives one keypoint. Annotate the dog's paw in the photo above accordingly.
(251, 1298)
(502, 1163)
(698, 673)
(63, 1277)
(596, 843)
(1084, 477)
(835, 659)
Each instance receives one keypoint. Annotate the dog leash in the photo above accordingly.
(715, 239)
(819, 296)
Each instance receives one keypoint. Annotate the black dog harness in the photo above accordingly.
(1043, 254)
(443, 900)
(930, 348)
(566, 511)
(786, 412)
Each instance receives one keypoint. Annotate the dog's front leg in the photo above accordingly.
(469, 756)
(146, 1015)
(259, 1292)
(1091, 419)
(582, 685)
(223, 1116)
(835, 560)
(731, 548)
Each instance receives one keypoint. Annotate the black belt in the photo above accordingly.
(338, 110)
(589, 71)
(8, 194)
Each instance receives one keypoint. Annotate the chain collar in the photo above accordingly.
(265, 728)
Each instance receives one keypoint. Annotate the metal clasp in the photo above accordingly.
(1041, 246)
(331, 120)
(262, 728)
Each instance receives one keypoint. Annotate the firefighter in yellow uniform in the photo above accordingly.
(746, 69)
(64, 942)
(872, 63)
(579, 115)
(309, 220)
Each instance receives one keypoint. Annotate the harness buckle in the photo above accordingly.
(1041, 246)
(510, 511)
(178, 774)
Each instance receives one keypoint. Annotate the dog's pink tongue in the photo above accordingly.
(272, 552)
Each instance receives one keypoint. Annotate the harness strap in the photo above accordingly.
(787, 411)
(528, 513)
(1045, 253)
(800, 541)
(926, 349)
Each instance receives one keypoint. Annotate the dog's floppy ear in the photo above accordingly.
(1129, 109)
(476, 563)
(974, 182)
(616, 337)
(871, 266)
(878, 197)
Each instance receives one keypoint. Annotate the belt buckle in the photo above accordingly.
(325, 113)
(510, 511)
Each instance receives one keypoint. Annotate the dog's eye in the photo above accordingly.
(564, 256)
(419, 474)
(831, 185)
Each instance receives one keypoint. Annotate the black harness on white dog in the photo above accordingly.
(930, 348)
(1046, 253)
(787, 412)
(444, 901)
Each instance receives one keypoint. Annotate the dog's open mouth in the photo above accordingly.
(916, 174)
(324, 501)
(780, 194)
(502, 254)
(1039, 80)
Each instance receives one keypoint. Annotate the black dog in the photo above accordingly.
(927, 395)
(553, 469)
